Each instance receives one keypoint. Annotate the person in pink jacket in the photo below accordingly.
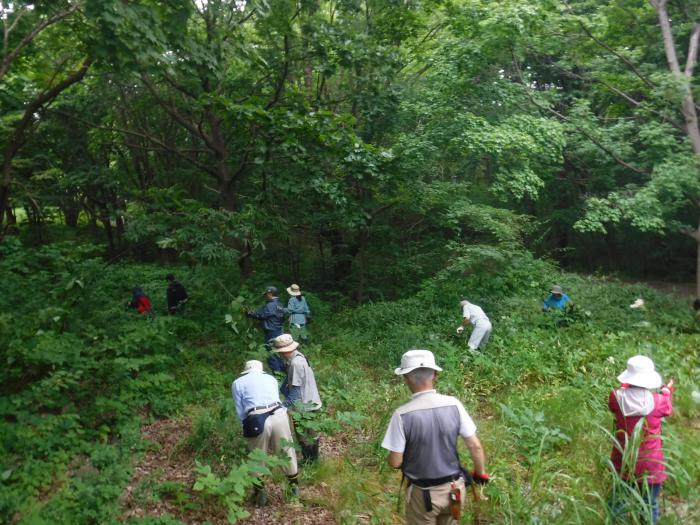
(630, 403)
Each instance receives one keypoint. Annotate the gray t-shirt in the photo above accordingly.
(425, 430)
(300, 374)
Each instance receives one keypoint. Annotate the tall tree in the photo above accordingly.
(38, 33)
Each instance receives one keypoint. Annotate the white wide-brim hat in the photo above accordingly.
(416, 359)
(294, 290)
(284, 343)
(252, 366)
(640, 372)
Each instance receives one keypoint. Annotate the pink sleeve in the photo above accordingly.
(664, 403)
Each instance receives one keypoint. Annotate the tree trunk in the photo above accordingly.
(697, 272)
(342, 255)
(362, 259)
(111, 248)
(71, 212)
(688, 104)
(228, 201)
(17, 137)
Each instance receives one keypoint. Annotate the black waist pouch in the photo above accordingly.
(254, 424)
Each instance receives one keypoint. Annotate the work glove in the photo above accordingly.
(481, 479)
(460, 329)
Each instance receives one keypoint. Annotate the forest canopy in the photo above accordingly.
(355, 132)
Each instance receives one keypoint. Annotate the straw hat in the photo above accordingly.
(284, 343)
(294, 290)
(640, 372)
(252, 366)
(416, 359)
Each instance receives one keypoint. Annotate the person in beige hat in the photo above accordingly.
(299, 313)
(556, 300)
(422, 441)
(301, 394)
(264, 419)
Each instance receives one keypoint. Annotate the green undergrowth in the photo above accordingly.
(538, 392)
(81, 374)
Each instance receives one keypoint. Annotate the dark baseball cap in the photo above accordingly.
(272, 290)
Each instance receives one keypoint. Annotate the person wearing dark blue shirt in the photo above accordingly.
(272, 314)
(557, 299)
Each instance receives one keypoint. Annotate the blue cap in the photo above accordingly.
(272, 290)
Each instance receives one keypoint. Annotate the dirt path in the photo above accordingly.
(162, 485)
(679, 289)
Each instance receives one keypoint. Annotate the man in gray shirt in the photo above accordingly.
(301, 394)
(422, 442)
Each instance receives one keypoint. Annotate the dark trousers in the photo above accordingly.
(274, 361)
(650, 493)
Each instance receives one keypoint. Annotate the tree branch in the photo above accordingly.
(176, 115)
(692, 51)
(283, 76)
(583, 132)
(605, 46)
(9, 58)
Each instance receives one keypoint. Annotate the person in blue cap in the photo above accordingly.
(272, 314)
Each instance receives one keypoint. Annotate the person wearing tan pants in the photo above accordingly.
(256, 393)
(422, 441)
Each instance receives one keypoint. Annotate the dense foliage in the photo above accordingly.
(84, 373)
(392, 158)
(348, 142)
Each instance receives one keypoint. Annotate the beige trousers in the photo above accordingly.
(275, 431)
(440, 496)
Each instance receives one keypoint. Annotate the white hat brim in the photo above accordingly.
(650, 379)
(402, 371)
(292, 292)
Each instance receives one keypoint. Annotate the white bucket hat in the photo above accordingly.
(640, 372)
(463, 303)
(252, 366)
(284, 343)
(556, 289)
(416, 359)
(294, 290)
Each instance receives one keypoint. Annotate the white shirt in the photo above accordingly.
(474, 313)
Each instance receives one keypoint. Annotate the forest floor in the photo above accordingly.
(162, 483)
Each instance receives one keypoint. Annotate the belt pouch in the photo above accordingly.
(254, 424)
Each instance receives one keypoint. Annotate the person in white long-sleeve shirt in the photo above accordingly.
(255, 392)
(474, 315)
